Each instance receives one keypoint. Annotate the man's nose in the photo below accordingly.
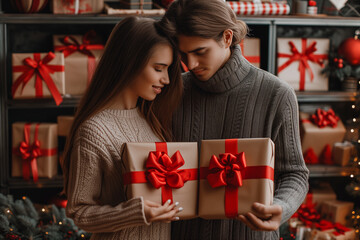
(192, 62)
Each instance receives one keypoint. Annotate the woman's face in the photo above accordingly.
(154, 76)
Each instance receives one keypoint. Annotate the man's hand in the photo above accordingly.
(263, 218)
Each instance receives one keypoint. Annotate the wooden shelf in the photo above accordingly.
(320, 170)
(16, 183)
(326, 96)
(41, 103)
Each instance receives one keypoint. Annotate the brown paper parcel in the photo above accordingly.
(134, 158)
(47, 135)
(314, 137)
(64, 125)
(258, 152)
(29, 90)
(85, 6)
(76, 67)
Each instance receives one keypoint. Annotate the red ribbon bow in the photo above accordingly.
(303, 57)
(323, 118)
(29, 153)
(163, 170)
(326, 225)
(226, 171)
(308, 215)
(42, 70)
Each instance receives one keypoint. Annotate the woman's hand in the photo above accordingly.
(165, 213)
(265, 218)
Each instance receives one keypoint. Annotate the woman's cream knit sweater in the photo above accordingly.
(96, 198)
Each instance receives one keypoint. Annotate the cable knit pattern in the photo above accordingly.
(242, 101)
(96, 197)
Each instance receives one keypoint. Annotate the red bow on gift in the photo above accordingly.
(307, 54)
(226, 171)
(326, 225)
(308, 215)
(162, 171)
(42, 69)
(323, 118)
(325, 157)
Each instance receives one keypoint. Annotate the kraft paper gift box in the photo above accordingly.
(342, 152)
(235, 173)
(250, 49)
(35, 150)
(343, 233)
(317, 138)
(337, 211)
(64, 125)
(300, 62)
(77, 6)
(328, 230)
(136, 4)
(38, 75)
(149, 172)
(316, 196)
(82, 54)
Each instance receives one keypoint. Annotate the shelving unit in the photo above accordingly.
(32, 32)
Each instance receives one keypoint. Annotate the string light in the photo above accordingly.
(351, 175)
(354, 119)
(82, 235)
(352, 130)
(23, 197)
(353, 106)
(43, 209)
(60, 223)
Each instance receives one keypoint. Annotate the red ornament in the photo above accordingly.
(350, 50)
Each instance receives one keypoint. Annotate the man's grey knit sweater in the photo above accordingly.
(242, 101)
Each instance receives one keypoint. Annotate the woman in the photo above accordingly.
(135, 88)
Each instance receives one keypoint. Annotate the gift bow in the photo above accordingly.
(325, 157)
(323, 118)
(163, 170)
(42, 71)
(306, 55)
(226, 171)
(308, 215)
(29, 153)
(326, 225)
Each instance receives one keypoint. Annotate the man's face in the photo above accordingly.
(204, 57)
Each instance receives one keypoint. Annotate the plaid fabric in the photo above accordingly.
(250, 8)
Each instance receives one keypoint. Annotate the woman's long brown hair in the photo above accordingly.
(126, 53)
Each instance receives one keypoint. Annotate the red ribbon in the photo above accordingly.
(163, 172)
(252, 59)
(308, 215)
(306, 55)
(230, 171)
(327, 225)
(30, 152)
(323, 118)
(325, 156)
(42, 71)
(71, 45)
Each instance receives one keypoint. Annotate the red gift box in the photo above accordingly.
(305, 57)
(235, 173)
(30, 70)
(34, 150)
(250, 8)
(162, 171)
(77, 6)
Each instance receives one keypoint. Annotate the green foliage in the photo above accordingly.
(20, 219)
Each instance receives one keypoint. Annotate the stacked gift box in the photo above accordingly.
(264, 7)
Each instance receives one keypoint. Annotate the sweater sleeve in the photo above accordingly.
(84, 190)
(291, 173)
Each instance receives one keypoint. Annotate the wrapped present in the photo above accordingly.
(162, 171)
(235, 173)
(64, 125)
(77, 6)
(337, 211)
(136, 4)
(342, 152)
(333, 231)
(82, 53)
(251, 8)
(317, 139)
(250, 48)
(29, 6)
(308, 215)
(30, 70)
(300, 62)
(319, 194)
(35, 150)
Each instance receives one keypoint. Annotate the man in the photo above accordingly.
(227, 97)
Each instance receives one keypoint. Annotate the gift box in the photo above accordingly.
(337, 211)
(250, 48)
(316, 139)
(136, 4)
(38, 75)
(35, 150)
(64, 125)
(82, 54)
(162, 171)
(335, 231)
(342, 152)
(235, 173)
(28, 6)
(316, 196)
(300, 62)
(251, 8)
(77, 6)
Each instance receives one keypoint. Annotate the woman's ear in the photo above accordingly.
(227, 37)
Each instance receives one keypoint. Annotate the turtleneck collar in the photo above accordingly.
(230, 75)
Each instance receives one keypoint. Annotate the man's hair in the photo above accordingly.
(202, 18)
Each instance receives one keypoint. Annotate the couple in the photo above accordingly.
(137, 95)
